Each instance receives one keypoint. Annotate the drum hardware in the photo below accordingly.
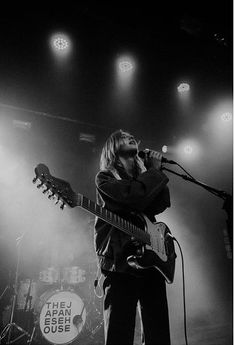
(77, 320)
(62, 297)
(28, 300)
(4, 291)
(73, 275)
(63, 277)
(50, 275)
(27, 294)
(32, 335)
(8, 329)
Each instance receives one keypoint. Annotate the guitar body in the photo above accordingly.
(156, 244)
(160, 254)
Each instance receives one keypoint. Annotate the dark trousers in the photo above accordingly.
(122, 292)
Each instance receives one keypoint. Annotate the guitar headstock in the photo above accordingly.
(55, 188)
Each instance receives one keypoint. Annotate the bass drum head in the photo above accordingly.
(62, 315)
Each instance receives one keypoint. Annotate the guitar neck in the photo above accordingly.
(114, 219)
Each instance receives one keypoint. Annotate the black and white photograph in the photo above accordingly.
(116, 178)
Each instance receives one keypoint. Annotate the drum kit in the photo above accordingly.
(60, 307)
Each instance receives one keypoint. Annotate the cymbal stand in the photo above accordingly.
(7, 331)
(8, 287)
(4, 292)
(34, 331)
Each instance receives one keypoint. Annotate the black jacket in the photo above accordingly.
(147, 194)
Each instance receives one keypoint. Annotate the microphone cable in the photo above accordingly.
(184, 298)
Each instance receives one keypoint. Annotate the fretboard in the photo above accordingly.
(115, 220)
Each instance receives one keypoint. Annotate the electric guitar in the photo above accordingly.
(156, 241)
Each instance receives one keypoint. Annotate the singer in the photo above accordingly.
(126, 186)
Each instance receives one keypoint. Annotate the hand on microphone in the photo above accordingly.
(152, 159)
(155, 160)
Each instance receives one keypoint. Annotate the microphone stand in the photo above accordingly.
(227, 206)
(7, 331)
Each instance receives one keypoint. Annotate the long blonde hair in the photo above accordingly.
(109, 159)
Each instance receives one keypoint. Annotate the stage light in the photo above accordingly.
(125, 66)
(183, 88)
(188, 150)
(219, 123)
(226, 117)
(60, 44)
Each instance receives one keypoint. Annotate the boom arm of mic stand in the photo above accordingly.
(228, 200)
(220, 193)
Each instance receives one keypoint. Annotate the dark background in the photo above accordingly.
(172, 42)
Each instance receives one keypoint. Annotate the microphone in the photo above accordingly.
(145, 154)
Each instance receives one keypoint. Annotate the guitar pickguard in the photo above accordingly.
(159, 254)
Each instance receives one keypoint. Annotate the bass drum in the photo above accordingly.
(61, 316)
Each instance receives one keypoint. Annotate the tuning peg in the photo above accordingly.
(35, 179)
(40, 185)
(57, 201)
(46, 190)
(62, 206)
(51, 196)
